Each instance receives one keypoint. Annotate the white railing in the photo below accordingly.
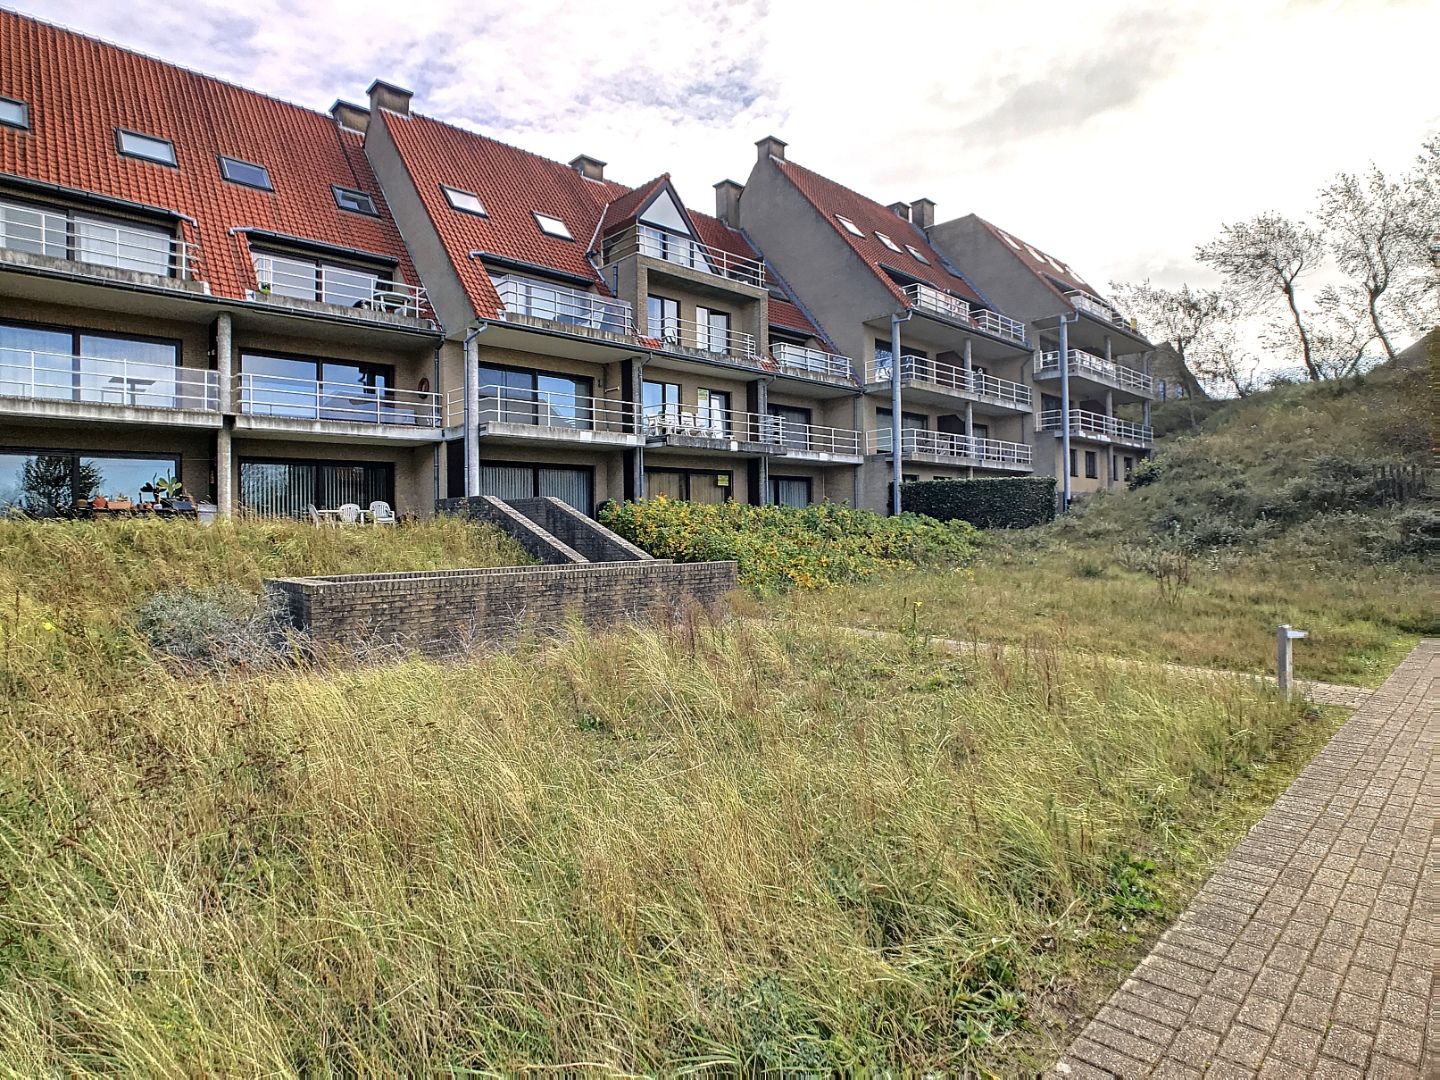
(338, 285)
(930, 299)
(972, 383)
(547, 409)
(100, 243)
(1097, 425)
(556, 303)
(1096, 367)
(682, 251)
(1093, 305)
(40, 376)
(710, 422)
(963, 449)
(309, 399)
(688, 334)
(815, 439)
(799, 360)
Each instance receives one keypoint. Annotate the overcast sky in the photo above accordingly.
(1115, 135)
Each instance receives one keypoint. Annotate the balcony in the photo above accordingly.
(94, 387)
(1097, 369)
(506, 412)
(339, 286)
(711, 428)
(943, 448)
(702, 337)
(1092, 425)
(80, 239)
(677, 250)
(568, 307)
(1095, 307)
(300, 404)
(951, 380)
(817, 443)
(951, 308)
(798, 360)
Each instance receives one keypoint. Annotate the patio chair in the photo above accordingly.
(314, 512)
(381, 514)
(349, 513)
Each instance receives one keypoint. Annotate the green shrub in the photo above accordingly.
(1002, 502)
(780, 547)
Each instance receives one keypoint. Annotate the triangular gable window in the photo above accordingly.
(664, 213)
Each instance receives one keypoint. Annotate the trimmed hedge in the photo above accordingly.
(1002, 502)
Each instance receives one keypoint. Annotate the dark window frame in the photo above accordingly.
(223, 160)
(338, 190)
(120, 132)
(688, 473)
(384, 272)
(72, 237)
(176, 457)
(536, 466)
(586, 423)
(445, 190)
(318, 361)
(77, 332)
(1092, 465)
(24, 122)
(774, 488)
(347, 463)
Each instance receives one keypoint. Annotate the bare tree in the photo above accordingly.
(1342, 331)
(1265, 256)
(1222, 360)
(1180, 316)
(1378, 236)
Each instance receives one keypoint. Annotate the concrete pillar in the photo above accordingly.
(1108, 355)
(224, 472)
(1110, 403)
(472, 414)
(757, 396)
(1064, 416)
(224, 376)
(969, 420)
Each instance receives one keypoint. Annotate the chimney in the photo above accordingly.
(922, 213)
(770, 147)
(900, 210)
(388, 96)
(588, 167)
(350, 116)
(727, 202)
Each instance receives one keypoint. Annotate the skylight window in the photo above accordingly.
(1010, 240)
(357, 202)
(245, 172)
(134, 144)
(465, 201)
(552, 226)
(14, 113)
(915, 252)
(850, 226)
(886, 241)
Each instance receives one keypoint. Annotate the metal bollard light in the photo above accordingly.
(1284, 667)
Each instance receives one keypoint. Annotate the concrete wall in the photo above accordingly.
(446, 610)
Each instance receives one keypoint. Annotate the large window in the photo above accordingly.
(662, 318)
(714, 330)
(69, 234)
(662, 400)
(46, 483)
(712, 412)
(526, 396)
(73, 365)
(315, 279)
(504, 480)
(794, 424)
(280, 488)
(693, 485)
(1092, 464)
(908, 421)
(790, 490)
(317, 389)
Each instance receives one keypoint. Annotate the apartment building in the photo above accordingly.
(198, 282)
(1107, 361)
(606, 341)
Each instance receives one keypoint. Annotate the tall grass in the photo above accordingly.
(745, 846)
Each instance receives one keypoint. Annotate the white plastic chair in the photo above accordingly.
(381, 514)
(349, 513)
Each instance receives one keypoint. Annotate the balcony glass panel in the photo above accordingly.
(145, 251)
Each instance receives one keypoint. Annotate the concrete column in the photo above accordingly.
(969, 420)
(637, 395)
(1110, 403)
(1108, 355)
(225, 361)
(1064, 416)
(758, 396)
(968, 362)
(224, 458)
(224, 472)
(472, 415)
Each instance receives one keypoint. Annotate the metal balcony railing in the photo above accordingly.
(709, 422)
(572, 307)
(338, 285)
(816, 439)
(309, 399)
(930, 299)
(963, 449)
(1093, 305)
(682, 251)
(41, 376)
(972, 383)
(798, 360)
(555, 412)
(100, 243)
(688, 334)
(1095, 425)
(1088, 365)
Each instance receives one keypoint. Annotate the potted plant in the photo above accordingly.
(100, 502)
(121, 503)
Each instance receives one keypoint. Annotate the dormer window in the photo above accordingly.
(552, 226)
(887, 241)
(15, 114)
(357, 202)
(148, 147)
(245, 173)
(849, 226)
(915, 252)
(466, 201)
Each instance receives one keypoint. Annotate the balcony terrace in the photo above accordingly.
(943, 448)
(948, 381)
(300, 407)
(63, 385)
(276, 276)
(510, 413)
(99, 244)
(1084, 365)
(931, 300)
(1093, 425)
(676, 250)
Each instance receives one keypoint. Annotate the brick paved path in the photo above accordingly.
(1310, 950)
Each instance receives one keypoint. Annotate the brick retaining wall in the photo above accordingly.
(439, 611)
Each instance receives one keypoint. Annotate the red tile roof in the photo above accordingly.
(80, 90)
(1058, 275)
(830, 198)
(784, 313)
(511, 184)
(622, 211)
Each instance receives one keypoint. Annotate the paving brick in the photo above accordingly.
(1297, 1045)
(1400, 1042)
(1244, 1046)
(1261, 1013)
(1348, 1045)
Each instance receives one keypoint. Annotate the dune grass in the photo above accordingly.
(746, 846)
